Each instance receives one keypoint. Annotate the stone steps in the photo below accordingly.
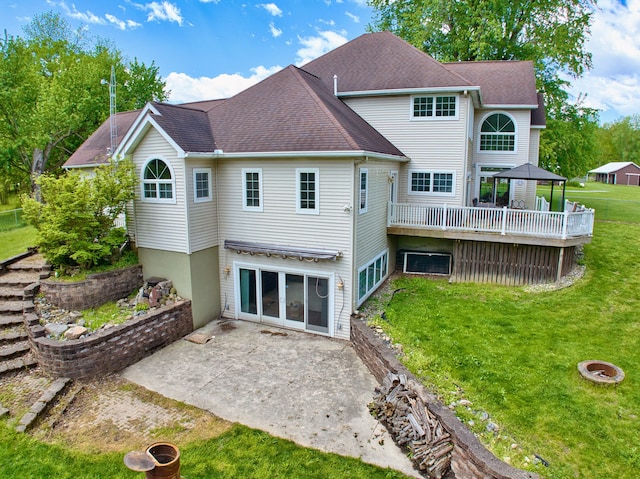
(11, 294)
(18, 279)
(17, 364)
(15, 336)
(14, 350)
(43, 404)
(11, 307)
(7, 321)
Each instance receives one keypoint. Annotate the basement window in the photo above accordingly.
(427, 263)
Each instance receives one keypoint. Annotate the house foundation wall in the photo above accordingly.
(469, 458)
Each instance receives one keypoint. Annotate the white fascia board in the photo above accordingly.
(141, 128)
(93, 165)
(538, 127)
(301, 154)
(148, 108)
(510, 107)
(408, 91)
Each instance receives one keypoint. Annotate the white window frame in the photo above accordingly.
(144, 182)
(245, 207)
(381, 260)
(316, 209)
(209, 197)
(515, 135)
(431, 192)
(363, 194)
(433, 116)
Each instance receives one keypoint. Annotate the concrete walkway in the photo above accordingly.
(310, 389)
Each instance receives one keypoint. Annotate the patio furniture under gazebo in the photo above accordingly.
(529, 171)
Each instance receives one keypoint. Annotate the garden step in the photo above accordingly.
(13, 337)
(35, 263)
(11, 294)
(14, 350)
(9, 307)
(23, 362)
(43, 404)
(11, 320)
(18, 279)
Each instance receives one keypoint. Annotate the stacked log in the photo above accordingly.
(413, 426)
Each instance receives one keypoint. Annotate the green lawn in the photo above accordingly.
(16, 241)
(241, 453)
(514, 353)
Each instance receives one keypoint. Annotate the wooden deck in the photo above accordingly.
(499, 225)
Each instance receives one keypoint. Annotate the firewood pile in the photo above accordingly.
(413, 426)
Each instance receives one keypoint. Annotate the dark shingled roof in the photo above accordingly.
(188, 127)
(94, 151)
(501, 82)
(382, 61)
(539, 115)
(529, 171)
(292, 110)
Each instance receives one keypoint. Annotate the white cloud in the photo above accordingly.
(187, 89)
(613, 84)
(331, 23)
(165, 11)
(122, 24)
(276, 32)
(313, 47)
(209, 1)
(353, 17)
(73, 12)
(272, 8)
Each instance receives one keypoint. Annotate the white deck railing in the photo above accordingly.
(504, 221)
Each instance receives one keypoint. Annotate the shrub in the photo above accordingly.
(76, 214)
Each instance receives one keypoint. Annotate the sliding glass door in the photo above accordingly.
(291, 299)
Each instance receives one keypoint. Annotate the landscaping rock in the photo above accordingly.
(55, 329)
(75, 332)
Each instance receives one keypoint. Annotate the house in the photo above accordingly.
(292, 201)
(618, 173)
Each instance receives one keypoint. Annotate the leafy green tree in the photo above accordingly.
(551, 33)
(52, 96)
(76, 215)
(620, 140)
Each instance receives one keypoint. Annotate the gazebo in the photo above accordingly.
(529, 171)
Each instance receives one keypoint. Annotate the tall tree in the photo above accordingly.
(551, 33)
(620, 140)
(52, 96)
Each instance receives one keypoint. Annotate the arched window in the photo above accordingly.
(157, 181)
(498, 133)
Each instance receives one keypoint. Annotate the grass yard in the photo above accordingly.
(514, 353)
(238, 453)
(16, 241)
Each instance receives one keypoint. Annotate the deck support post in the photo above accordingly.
(560, 261)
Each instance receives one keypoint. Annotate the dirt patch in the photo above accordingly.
(108, 415)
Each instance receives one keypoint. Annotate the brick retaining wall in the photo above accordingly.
(108, 350)
(469, 459)
(97, 289)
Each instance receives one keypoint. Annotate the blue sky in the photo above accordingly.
(214, 48)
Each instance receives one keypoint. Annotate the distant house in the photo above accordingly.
(618, 173)
(292, 201)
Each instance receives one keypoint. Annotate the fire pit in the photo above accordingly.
(600, 372)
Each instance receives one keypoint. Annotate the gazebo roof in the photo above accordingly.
(529, 171)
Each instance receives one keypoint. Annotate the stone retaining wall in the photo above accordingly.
(97, 289)
(108, 350)
(469, 459)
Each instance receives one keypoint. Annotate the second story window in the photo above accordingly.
(364, 190)
(307, 191)
(252, 189)
(498, 133)
(202, 185)
(434, 106)
(157, 182)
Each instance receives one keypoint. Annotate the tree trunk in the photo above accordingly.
(37, 168)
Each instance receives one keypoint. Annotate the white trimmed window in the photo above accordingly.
(158, 182)
(202, 190)
(307, 191)
(498, 133)
(424, 107)
(252, 189)
(432, 182)
(372, 275)
(364, 190)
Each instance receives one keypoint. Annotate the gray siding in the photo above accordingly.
(203, 216)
